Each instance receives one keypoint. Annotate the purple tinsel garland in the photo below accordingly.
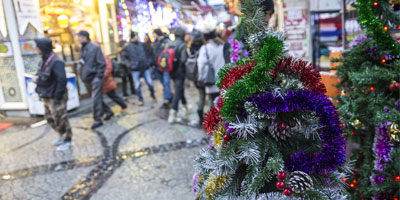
(333, 144)
(382, 149)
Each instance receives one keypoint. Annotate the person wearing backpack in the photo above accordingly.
(178, 48)
(210, 61)
(139, 62)
(159, 45)
(191, 66)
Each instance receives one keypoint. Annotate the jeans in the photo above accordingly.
(179, 93)
(166, 83)
(117, 99)
(99, 107)
(202, 100)
(147, 78)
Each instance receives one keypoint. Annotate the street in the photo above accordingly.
(136, 155)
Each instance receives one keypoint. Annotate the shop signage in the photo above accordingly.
(326, 5)
(5, 49)
(295, 23)
(3, 27)
(56, 11)
(28, 47)
(27, 12)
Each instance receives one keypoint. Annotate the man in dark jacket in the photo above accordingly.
(139, 62)
(92, 69)
(52, 88)
(178, 74)
(158, 46)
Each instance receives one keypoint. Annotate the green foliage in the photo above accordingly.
(364, 81)
(254, 82)
(254, 21)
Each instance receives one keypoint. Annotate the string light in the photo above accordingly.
(372, 88)
(352, 185)
(352, 133)
(397, 178)
(354, 181)
(383, 60)
(375, 3)
(385, 28)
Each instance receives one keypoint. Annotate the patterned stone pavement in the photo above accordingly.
(137, 155)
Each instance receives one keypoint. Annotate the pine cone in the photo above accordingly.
(277, 134)
(300, 181)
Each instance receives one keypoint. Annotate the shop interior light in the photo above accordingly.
(109, 1)
(77, 1)
(62, 21)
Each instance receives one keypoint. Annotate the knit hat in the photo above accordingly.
(180, 33)
(196, 35)
(158, 32)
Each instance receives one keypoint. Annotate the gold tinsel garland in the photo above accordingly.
(215, 184)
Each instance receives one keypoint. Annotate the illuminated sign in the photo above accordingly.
(57, 11)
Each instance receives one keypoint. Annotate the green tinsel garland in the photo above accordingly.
(266, 58)
(375, 27)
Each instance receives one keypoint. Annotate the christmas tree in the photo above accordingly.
(274, 134)
(369, 103)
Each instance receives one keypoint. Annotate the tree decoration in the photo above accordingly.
(372, 61)
(280, 185)
(394, 132)
(300, 182)
(215, 184)
(394, 86)
(332, 153)
(282, 175)
(211, 119)
(287, 192)
(266, 97)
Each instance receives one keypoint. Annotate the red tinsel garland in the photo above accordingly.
(309, 76)
(220, 103)
(211, 119)
(236, 73)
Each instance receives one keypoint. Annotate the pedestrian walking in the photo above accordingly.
(194, 46)
(125, 74)
(158, 46)
(92, 73)
(139, 62)
(211, 55)
(110, 85)
(51, 87)
(178, 75)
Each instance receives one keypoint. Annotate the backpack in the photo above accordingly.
(207, 76)
(166, 60)
(115, 68)
(191, 67)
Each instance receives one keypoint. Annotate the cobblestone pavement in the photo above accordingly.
(136, 155)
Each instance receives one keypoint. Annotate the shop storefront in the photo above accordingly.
(21, 21)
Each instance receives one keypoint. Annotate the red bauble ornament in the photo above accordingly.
(282, 175)
(280, 185)
(282, 126)
(227, 137)
(273, 74)
(394, 87)
(287, 192)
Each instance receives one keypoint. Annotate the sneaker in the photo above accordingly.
(141, 103)
(64, 146)
(154, 100)
(172, 116)
(186, 112)
(59, 141)
(97, 124)
(108, 116)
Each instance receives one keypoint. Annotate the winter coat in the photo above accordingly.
(135, 56)
(94, 63)
(158, 47)
(52, 80)
(216, 56)
(178, 71)
(109, 82)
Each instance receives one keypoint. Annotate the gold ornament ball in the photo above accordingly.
(394, 132)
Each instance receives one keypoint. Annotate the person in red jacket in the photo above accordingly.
(110, 85)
